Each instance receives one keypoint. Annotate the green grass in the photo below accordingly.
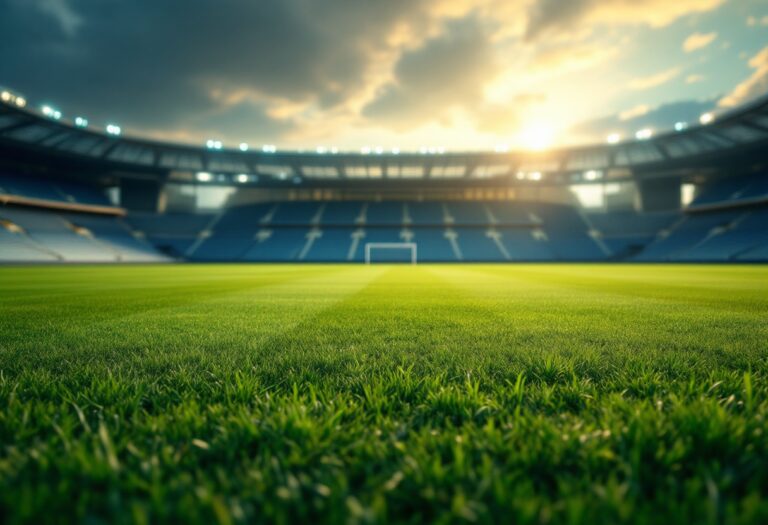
(351, 394)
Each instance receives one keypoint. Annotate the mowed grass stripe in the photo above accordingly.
(389, 393)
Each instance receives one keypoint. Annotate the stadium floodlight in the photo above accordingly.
(592, 175)
(334, 150)
(204, 176)
(501, 148)
(395, 151)
(706, 118)
(49, 112)
(680, 126)
(370, 247)
(214, 144)
(242, 178)
(243, 146)
(81, 122)
(520, 175)
(423, 150)
(21, 102)
(112, 129)
(378, 150)
(613, 138)
(644, 134)
(6, 96)
(269, 148)
(321, 150)
(365, 150)
(535, 175)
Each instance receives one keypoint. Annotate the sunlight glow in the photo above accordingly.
(537, 136)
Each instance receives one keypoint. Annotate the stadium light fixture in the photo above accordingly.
(321, 150)
(49, 112)
(114, 130)
(365, 150)
(214, 144)
(204, 176)
(680, 126)
(242, 178)
(378, 150)
(6, 96)
(644, 134)
(243, 146)
(592, 175)
(441, 150)
(536, 175)
(395, 151)
(334, 150)
(613, 138)
(520, 175)
(423, 150)
(21, 102)
(81, 122)
(501, 148)
(269, 148)
(706, 118)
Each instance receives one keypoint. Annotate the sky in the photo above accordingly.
(405, 74)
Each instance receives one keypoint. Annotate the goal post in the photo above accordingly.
(373, 246)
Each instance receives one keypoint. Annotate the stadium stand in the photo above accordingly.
(64, 222)
(307, 207)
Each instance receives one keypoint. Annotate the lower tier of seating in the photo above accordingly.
(43, 235)
(535, 232)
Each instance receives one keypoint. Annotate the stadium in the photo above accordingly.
(697, 195)
(214, 331)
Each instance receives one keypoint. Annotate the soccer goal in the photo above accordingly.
(372, 247)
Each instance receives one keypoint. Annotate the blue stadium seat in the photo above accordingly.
(384, 214)
(426, 213)
(343, 213)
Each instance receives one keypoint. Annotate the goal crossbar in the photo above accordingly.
(390, 246)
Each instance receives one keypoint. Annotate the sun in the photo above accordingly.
(537, 136)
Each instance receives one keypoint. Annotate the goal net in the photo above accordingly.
(373, 248)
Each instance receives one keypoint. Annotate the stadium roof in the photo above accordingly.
(46, 133)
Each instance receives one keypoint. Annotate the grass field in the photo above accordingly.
(346, 394)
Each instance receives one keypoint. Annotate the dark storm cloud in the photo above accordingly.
(548, 15)
(447, 72)
(299, 72)
(561, 18)
(153, 63)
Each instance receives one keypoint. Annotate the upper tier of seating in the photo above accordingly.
(50, 190)
(729, 191)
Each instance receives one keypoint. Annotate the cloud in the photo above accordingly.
(698, 41)
(303, 72)
(694, 79)
(753, 87)
(655, 80)
(60, 10)
(637, 111)
(558, 17)
(753, 21)
(562, 59)
(433, 81)
(145, 64)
